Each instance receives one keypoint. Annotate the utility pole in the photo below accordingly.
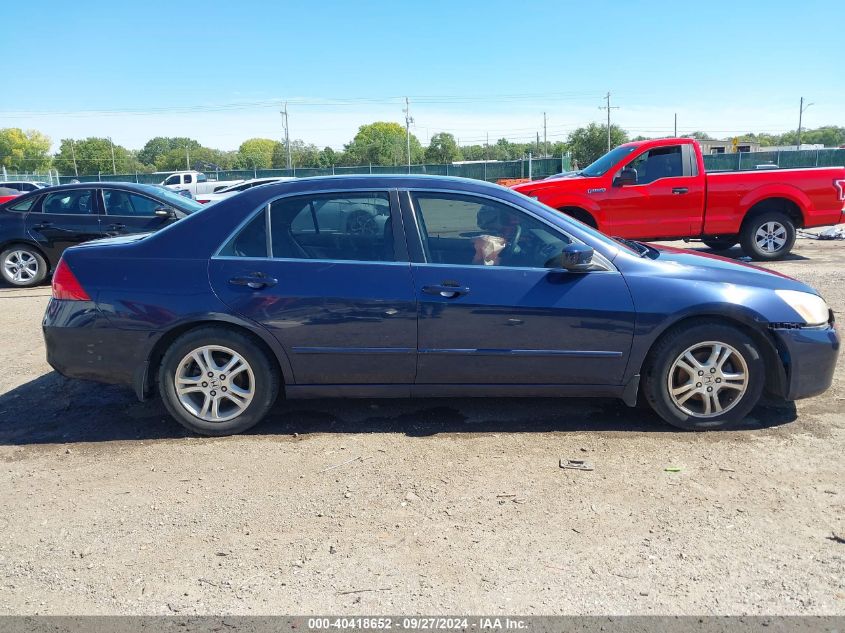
(113, 165)
(545, 137)
(487, 148)
(800, 117)
(408, 121)
(188, 157)
(608, 108)
(538, 143)
(73, 154)
(287, 134)
(676, 125)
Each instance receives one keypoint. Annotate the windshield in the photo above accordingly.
(174, 199)
(600, 167)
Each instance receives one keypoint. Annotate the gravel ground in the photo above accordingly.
(439, 506)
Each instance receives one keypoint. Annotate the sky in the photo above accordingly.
(219, 72)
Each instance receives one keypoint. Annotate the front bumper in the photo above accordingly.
(809, 356)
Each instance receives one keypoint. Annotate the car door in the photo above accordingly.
(341, 303)
(490, 312)
(666, 200)
(126, 212)
(63, 219)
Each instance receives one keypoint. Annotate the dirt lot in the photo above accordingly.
(458, 506)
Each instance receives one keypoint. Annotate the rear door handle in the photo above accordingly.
(448, 290)
(43, 225)
(254, 281)
(116, 227)
(680, 190)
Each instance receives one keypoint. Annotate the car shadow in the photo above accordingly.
(54, 410)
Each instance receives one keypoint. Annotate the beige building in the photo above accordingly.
(728, 147)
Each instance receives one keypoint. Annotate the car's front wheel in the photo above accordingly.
(22, 266)
(215, 381)
(704, 377)
(720, 243)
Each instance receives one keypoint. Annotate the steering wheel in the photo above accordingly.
(513, 247)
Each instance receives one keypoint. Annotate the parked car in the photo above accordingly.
(195, 182)
(469, 289)
(8, 194)
(658, 189)
(24, 185)
(36, 228)
(231, 190)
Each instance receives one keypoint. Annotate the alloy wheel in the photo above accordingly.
(21, 266)
(771, 237)
(214, 383)
(708, 379)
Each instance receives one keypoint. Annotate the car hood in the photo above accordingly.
(704, 267)
(537, 186)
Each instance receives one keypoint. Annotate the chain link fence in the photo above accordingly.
(490, 171)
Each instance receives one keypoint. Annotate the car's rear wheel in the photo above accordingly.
(768, 236)
(215, 381)
(705, 377)
(720, 243)
(22, 266)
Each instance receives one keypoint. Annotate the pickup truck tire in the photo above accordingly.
(720, 243)
(768, 236)
(704, 377)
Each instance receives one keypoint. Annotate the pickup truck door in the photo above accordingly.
(667, 199)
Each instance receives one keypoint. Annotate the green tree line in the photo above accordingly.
(379, 143)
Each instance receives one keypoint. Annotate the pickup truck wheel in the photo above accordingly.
(768, 236)
(705, 377)
(720, 243)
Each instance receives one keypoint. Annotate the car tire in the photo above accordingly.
(768, 236)
(22, 266)
(217, 364)
(687, 385)
(720, 243)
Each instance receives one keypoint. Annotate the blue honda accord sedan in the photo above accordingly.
(441, 287)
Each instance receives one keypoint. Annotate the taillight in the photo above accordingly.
(66, 286)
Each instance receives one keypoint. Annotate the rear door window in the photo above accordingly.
(75, 202)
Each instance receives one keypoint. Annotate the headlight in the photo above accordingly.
(810, 307)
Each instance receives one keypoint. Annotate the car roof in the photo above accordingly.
(381, 181)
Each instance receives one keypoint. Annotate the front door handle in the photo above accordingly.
(116, 227)
(448, 290)
(680, 190)
(43, 225)
(254, 281)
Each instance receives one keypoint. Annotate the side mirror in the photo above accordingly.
(165, 212)
(627, 176)
(574, 258)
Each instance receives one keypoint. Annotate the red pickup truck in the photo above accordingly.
(658, 189)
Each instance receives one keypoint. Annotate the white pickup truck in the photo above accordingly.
(196, 182)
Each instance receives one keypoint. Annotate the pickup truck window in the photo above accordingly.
(188, 179)
(172, 180)
(660, 162)
(202, 178)
(600, 167)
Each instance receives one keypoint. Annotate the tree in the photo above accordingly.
(175, 159)
(382, 143)
(700, 136)
(24, 151)
(442, 149)
(256, 153)
(328, 157)
(157, 147)
(93, 155)
(589, 143)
